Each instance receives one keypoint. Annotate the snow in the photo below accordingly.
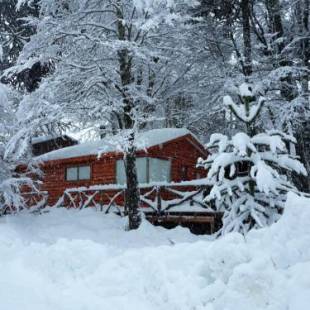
(257, 197)
(68, 259)
(116, 144)
(3, 95)
(23, 66)
(20, 3)
(275, 142)
(242, 142)
(246, 112)
(265, 177)
(221, 139)
(227, 100)
(240, 111)
(196, 182)
(245, 90)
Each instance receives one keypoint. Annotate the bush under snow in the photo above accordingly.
(85, 260)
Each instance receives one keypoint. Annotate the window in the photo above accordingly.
(72, 174)
(84, 172)
(120, 172)
(141, 164)
(148, 170)
(78, 173)
(159, 170)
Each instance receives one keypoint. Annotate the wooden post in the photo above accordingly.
(158, 198)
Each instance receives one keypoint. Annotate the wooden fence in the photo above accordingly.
(167, 204)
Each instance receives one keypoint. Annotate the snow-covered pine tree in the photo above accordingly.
(248, 171)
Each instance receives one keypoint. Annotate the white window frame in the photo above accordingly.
(78, 173)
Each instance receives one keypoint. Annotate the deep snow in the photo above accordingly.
(84, 260)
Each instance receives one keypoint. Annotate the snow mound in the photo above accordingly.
(85, 260)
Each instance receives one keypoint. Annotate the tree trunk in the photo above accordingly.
(288, 85)
(246, 31)
(303, 29)
(275, 22)
(132, 196)
(132, 191)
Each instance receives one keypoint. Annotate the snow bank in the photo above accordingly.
(84, 260)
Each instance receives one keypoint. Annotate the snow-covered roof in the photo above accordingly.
(41, 139)
(116, 143)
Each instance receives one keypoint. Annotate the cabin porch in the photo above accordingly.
(162, 203)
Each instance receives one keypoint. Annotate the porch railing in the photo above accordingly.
(157, 198)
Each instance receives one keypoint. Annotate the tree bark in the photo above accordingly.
(246, 31)
(275, 21)
(132, 191)
(303, 22)
(304, 133)
(132, 195)
(288, 85)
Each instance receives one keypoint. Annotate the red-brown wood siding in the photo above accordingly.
(183, 152)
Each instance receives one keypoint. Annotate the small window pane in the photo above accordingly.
(84, 173)
(141, 163)
(72, 174)
(159, 170)
(120, 172)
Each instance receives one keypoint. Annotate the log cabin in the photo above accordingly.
(93, 174)
(163, 155)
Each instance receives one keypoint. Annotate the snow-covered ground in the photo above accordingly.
(84, 260)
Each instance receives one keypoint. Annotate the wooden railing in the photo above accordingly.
(156, 198)
(35, 200)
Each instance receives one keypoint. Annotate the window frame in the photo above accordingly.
(147, 167)
(78, 173)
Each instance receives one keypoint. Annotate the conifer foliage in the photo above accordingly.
(249, 171)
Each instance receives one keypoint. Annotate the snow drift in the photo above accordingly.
(85, 260)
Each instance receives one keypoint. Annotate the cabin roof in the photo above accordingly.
(40, 139)
(115, 143)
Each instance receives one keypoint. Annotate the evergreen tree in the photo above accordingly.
(248, 170)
